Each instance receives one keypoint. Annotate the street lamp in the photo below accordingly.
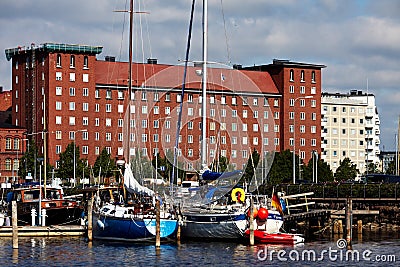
(83, 130)
(294, 134)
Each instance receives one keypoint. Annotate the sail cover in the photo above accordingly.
(132, 185)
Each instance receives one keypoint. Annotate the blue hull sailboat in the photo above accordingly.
(134, 219)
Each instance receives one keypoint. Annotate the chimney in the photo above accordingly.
(151, 61)
(109, 58)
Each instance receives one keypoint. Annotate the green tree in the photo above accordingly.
(282, 168)
(346, 170)
(251, 165)
(66, 163)
(27, 164)
(324, 172)
(391, 169)
(373, 168)
(104, 165)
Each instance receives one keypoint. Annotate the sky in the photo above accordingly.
(357, 40)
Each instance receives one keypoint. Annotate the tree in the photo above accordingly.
(346, 171)
(391, 169)
(251, 165)
(27, 164)
(66, 163)
(373, 168)
(324, 172)
(282, 168)
(105, 163)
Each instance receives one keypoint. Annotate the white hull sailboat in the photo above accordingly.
(208, 213)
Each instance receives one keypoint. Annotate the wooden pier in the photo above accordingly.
(47, 231)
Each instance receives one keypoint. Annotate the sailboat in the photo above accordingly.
(211, 212)
(133, 220)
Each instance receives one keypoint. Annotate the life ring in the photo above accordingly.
(238, 195)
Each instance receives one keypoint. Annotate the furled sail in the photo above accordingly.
(132, 185)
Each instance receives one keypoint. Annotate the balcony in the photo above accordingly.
(377, 132)
(377, 121)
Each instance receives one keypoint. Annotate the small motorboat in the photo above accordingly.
(261, 236)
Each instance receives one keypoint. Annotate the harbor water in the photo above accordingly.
(375, 249)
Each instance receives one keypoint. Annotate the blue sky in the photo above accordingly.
(356, 40)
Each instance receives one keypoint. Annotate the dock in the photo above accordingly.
(44, 231)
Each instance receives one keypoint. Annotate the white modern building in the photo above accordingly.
(350, 128)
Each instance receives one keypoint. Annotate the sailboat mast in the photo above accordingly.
(130, 80)
(204, 90)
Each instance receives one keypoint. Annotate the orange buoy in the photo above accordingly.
(262, 214)
(255, 213)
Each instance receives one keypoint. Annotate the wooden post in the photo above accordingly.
(178, 233)
(14, 225)
(359, 227)
(340, 227)
(349, 219)
(157, 223)
(90, 220)
(251, 222)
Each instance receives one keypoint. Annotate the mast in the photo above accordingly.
(204, 90)
(130, 79)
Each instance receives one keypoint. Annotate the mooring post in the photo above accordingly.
(178, 233)
(157, 223)
(90, 222)
(349, 219)
(251, 221)
(14, 225)
(359, 227)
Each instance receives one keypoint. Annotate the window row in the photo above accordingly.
(302, 90)
(12, 143)
(72, 61)
(302, 76)
(72, 77)
(10, 165)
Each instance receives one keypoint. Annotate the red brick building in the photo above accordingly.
(11, 141)
(86, 101)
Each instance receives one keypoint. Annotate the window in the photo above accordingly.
(313, 90)
(72, 91)
(178, 98)
(313, 142)
(97, 107)
(302, 89)
(58, 90)
(291, 75)
(244, 99)
(71, 120)
(120, 123)
(265, 114)
(276, 102)
(85, 106)
(58, 149)
(234, 101)
(234, 113)
(85, 121)
(291, 89)
(85, 92)
(302, 76)
(58, 105)
(302, 128)
(167, 97)
(313, 103)
(223, 100)
(108, 122)
(291, 102)
(72, 61)
(266, 104)
(144, 124)
(97, 136)
(108, 107)
(85, 135)
(144, 109)
(58, 120)
(313, 76)
(71, 105)
(212, 112)
(255, 127)
(255, 114)
(58, 60)
(85, 150)
(58, 135)
(244, 127)
(72, 77)
(108, 94)
(190, 139)
(276, 128)
(302, 102)
(190, 98)
(276, 115)
(58, 76)
(291, 128)
(314, 116)
(234, 127)
(266, 126)
(302, 116)
(85, 62)
(85, 78)
(108, 136)
(97, 93)
(313, 129)
(302, 142)
(244, 113)
(276, 141)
